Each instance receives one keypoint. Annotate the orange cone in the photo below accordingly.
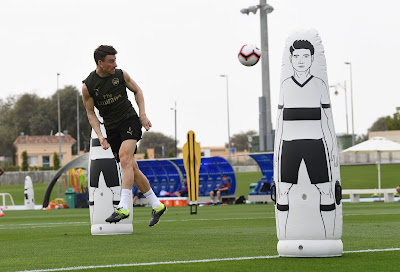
(1, 212)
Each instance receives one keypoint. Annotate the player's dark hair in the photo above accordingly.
(102, 51)
(301, 44)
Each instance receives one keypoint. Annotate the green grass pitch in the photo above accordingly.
(218, 238)
(39, 240)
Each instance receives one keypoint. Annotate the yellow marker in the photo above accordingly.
(192, 159)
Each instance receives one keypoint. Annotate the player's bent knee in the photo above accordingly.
(126, 160)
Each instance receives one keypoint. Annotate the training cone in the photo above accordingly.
(1, 212)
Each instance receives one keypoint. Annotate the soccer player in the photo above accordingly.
(305, 127)
(105, 89)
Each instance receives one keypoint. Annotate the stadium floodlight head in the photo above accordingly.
(267, 8)
(245, 11)
(253, 9)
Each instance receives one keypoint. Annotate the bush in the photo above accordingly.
(30, 168)
(11, 168)
(25, 164)
(56, 161)
(45, 168)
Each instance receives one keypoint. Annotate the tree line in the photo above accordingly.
(29, 114)
(387, 122)
(32, 115)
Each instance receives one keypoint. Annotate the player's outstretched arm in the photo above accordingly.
(131, 85)
(88, 102)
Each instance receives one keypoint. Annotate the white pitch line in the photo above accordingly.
(372, 250)
(153, 263)
(59, 223)
(39, 225)
(191, 261)
(51, 225)
(351, 214)
(218, 219)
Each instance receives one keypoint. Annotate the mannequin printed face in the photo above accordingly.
(301, 59)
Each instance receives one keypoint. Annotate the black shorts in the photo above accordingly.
(129, 129)
(314, 156)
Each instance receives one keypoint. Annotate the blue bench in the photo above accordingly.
(163, 175)
(166, 174)
(262, 192)
(263, 187)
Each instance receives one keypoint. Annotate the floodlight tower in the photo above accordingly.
(265, 125)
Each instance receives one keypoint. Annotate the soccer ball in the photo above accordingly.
(249, 55)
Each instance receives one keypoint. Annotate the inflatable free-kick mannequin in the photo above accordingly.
(105, 180)
(29, 196)
(308, 206)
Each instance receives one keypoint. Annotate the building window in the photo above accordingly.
(34, 161)
(46, 160)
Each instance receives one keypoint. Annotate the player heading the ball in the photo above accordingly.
(105, 89)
